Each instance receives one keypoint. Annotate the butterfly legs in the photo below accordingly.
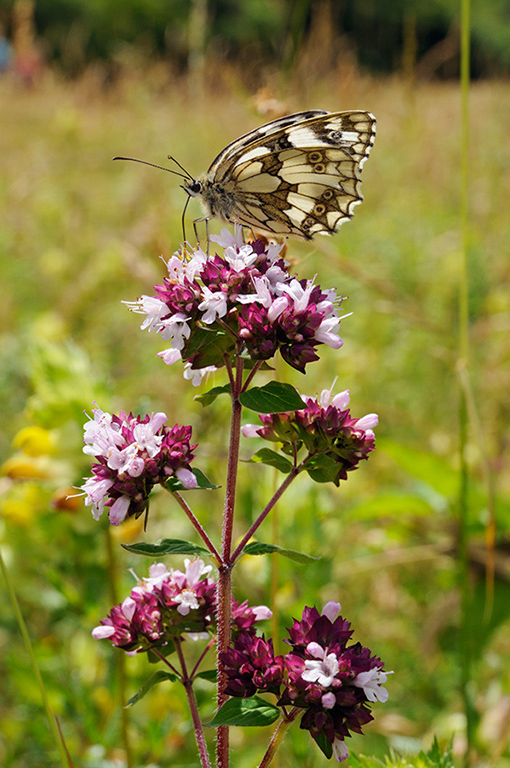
(195, 229)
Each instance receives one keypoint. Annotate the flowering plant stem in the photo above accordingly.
(225, 311)
(278, 736)
(199, 529)
(187, 681)
(224, 594)
(267, 509)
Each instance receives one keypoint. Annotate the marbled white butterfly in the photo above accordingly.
(299, 175)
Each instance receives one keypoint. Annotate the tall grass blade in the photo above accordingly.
(65, 759)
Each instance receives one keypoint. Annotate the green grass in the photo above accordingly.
(79, 234)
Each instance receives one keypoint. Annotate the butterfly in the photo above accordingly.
(298, 175)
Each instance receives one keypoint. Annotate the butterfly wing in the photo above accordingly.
(298, 175)
(221, 165)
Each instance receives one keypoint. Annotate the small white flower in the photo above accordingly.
(214, 304)
(158, 573)
(251, 430)
(273, 251)
(340, 750)
(176, 330)
(103, 631)
(186, 477)
(195, 569)
(327, 332)
(197, 374)
(372, 682)
(100, 434)
(323, 668)
(241, 258)
(300, 295)
(228, 240)
(341, 401)
(154, 308)
(331, 610)
(170, 356)
(119, 510)
(187, 600)
(367, 422)
(262, 293)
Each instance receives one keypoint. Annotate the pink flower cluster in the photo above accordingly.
(332, 682)
(243, 299)
(335, 441)
(133, 455)
(168, 603)
(161, 607)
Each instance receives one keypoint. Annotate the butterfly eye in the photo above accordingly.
(319, 168)
(328, 194)
(314, 157)
(307, 223)
(319, 209)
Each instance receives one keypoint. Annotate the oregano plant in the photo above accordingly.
(234, 310)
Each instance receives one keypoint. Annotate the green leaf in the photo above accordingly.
(323, 469)
(259, 548)
(166, 547)
(210, 675)
(206, 398)
(248, 712)
(274, 397)
(272, 459)
(324, 744)
(203, 483)
(157, 677)
(208, 345)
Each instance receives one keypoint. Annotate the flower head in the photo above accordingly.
(161, 607)
(335, 441)
(132, 456)
(331, 680)
(241, 300)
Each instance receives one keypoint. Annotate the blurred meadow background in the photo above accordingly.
(423, 576)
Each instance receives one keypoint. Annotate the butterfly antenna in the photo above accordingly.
(188, 175)
(183, 220)
(153, 165)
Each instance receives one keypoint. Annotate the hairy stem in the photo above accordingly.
(278, 736)
(224, 593)
(197, 526)
(187, 681)
(267, 509)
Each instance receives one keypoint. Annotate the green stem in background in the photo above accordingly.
(65, 758)
(465, 641)
(120, 657)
